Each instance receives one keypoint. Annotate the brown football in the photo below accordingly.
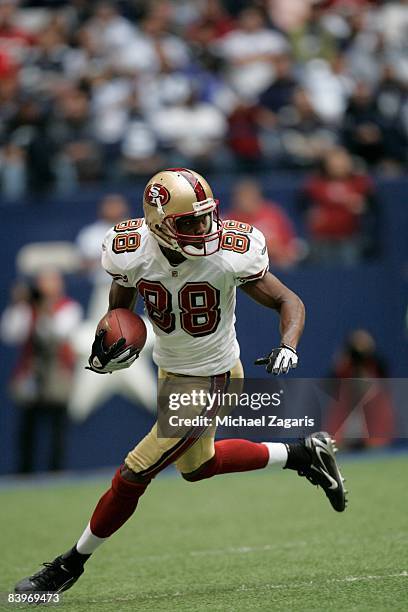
(122, 323)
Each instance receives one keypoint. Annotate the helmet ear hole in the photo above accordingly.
(157, 226)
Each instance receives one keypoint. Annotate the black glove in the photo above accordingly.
(104, 361)
(280, 360)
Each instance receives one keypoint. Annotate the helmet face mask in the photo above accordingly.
(197, 245)
(174, 197)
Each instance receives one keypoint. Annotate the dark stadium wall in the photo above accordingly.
(373, 296)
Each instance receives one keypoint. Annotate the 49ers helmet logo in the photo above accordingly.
(156, 195)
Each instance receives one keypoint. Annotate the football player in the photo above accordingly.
(186, 264)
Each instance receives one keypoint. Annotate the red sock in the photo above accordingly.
(232, 456)
(116, 506)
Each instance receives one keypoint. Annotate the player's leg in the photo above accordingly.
(114, 508)
(312, 457)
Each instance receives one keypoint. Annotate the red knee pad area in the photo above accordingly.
(116, 505)
(126, 487)
(208, 469)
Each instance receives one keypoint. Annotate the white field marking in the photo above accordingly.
(239, 550)
(259, 587)
(295, 585)
(242, 550)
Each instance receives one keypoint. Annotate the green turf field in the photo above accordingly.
(261, 541)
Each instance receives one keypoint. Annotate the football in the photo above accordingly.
(123, 323)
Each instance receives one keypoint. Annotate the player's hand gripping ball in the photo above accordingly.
(120, 336)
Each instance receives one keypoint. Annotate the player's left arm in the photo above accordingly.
(272, 293)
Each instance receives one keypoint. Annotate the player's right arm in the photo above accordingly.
(122, 297)
(122, 294)
(107, 360)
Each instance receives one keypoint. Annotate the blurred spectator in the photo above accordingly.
(274, 109)
(362, 415)
(329, 86)
(288, 15)
(213, 23)
(303, 136)
(279, 94)
(109, 107)
(10, 91)
(13, 179)
(341, 212)
(243, 137)
(41, 319)
(362, 131)
(392, 108)
(249, 52)
(14, 41)
(165, 88)
(72, 128)
(363, 46)
(29, 129)
(139, 148)
(359, 357)
(154, 47)
(84, 58)
(109, 31)
(311, 39)
(249, 206)
(393, 18)
(112, 209)
(45, 65)
(191, 131)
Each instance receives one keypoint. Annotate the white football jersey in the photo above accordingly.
(191, 305)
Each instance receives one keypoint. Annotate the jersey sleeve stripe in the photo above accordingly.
(254, 276)
(118, 277)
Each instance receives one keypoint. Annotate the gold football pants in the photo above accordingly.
(154, 453)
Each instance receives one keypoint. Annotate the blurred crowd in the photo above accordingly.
(112, 91)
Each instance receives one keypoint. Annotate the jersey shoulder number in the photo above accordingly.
(245, 247)
(127, 239)
(235, 236)
(120, 250)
